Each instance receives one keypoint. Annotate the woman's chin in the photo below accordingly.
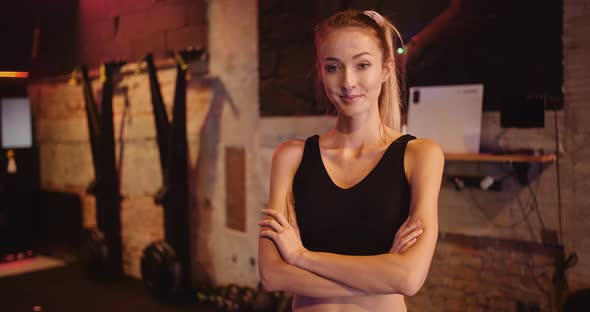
(351, 112)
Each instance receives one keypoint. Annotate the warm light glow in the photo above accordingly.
(13, 74)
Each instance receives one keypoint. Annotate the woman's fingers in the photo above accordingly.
(278, 216)
(406, 227)
(268, 234)
(411, 227)
(412, 235)
(403, 243)
(271, 223)
(408, 245)
(409, 239)
(401, 228)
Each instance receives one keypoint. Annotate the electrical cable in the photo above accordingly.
(525, 213)
(536, 204)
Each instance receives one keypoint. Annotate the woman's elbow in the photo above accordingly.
(267, 285)
(267, 282)
(413, 283)
(269, 278)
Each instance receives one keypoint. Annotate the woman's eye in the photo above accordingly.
(331, 68)
(363, 66)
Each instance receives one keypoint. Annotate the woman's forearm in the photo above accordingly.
(380, 274)
(277, 275)
(289, 278)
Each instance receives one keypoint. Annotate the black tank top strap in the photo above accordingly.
(404, 139)
(311, 150)
(401, 143)
(399, 154)
(308, 160)
(397, 148)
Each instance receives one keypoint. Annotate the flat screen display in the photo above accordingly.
(16, 123)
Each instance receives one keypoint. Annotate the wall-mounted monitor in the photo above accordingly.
(17, 130)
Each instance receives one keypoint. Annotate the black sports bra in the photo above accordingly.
(360, 220)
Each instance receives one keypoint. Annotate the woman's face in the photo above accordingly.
(350, 63)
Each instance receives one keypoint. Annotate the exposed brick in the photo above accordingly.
(91, 53)
(154, 43)
(501, 304)
(117, 50)
(142, 223)
(576, 38)
(462, 250)
(120, 7)
(190, 36)
(66, 166)
(197, 12)
(65, 156)
(168, 17)
(467, 273)
(454, 305)
(493, 278)
(136, 23)
(97, 32)
(91, 10)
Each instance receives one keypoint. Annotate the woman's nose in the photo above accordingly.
(348, 80)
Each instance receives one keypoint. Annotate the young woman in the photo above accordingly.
(352, 222)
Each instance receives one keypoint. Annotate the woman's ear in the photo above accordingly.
(387, 71)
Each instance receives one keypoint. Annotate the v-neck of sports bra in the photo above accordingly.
(366, 177)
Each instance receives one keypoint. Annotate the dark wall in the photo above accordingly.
(512, 47)
(19, 203)
(128, 30)
(39, 36)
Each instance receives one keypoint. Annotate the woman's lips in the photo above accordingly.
(350, 98)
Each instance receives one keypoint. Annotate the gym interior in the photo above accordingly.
(137, 139)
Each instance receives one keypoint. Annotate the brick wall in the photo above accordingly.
(128, 29)
(65, 156)
(576, 167)
(488, 274)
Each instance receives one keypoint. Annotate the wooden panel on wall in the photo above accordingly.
(235, 188)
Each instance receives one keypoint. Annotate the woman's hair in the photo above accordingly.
(389, 98)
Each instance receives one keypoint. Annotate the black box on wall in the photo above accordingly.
(523, 112)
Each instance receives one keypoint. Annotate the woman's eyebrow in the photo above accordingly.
(354, 57)
(361, 54)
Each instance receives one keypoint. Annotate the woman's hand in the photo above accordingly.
(406, 236)
(285, 236)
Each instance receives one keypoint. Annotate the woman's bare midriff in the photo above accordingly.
(388, 303)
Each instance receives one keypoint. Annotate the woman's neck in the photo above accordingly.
(359, 131)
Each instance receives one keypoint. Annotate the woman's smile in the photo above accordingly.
(350, 98)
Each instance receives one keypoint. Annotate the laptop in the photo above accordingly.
(449, 115)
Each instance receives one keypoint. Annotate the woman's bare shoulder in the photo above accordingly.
(423, 150)
(288, 154)
(424, 145)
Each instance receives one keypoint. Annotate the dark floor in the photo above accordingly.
(67, 289)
